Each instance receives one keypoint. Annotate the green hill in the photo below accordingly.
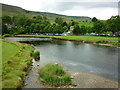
(14, 10)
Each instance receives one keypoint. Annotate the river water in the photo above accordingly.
(75, 56)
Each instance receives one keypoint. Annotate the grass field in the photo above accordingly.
(82, 37)
(16, 61)
(95, 39)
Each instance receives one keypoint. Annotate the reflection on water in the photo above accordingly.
(79, 57)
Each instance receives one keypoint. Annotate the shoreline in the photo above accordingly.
(82, 41)
(88, 80)
(81, 79)
(23, 50)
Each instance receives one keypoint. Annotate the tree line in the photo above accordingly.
(40, 24)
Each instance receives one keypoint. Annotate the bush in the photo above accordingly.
(54, 75)
(103, 42)
(6, 35)
(36, 55)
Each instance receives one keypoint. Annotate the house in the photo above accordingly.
(69, 33)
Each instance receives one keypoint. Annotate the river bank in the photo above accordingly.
(16, 63)
(87, 80)
(96, 40)
(79, 79)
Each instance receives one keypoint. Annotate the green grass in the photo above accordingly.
(82, 37)
(16, 61)
(54, 75)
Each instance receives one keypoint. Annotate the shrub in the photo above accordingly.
(54, 75)
(6, 35)
(36, 55)
(104, 42)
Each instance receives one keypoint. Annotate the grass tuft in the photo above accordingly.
(36, 55)
(54, 75)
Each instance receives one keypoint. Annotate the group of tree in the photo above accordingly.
(36, 24)
(100, 27)
(41, 24)
(110, 25)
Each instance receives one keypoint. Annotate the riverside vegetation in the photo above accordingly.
(54, 75)
(36, 55)
(16, 62)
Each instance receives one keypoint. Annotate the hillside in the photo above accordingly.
(14, 10)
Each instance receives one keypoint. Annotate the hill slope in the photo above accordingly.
(14, 10)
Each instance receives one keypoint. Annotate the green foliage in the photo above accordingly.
(76, 30)
(59, 20)
(7, 19)
(113, 24)
(94, 19)
(54, 75)
(98, 26)
(6, 35)
(65, 29)
(36, 55)
(104, 42)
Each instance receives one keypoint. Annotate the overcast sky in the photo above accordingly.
(102, 9)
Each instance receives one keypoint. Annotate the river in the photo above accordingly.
(74, 56)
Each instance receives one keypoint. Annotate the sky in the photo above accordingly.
(101, 9)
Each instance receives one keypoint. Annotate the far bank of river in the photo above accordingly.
(97, 40)
(91, 66)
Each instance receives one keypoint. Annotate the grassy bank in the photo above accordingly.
(54, 75)
(96, 39)
(16, 61)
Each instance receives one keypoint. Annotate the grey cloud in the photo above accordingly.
(63, 6)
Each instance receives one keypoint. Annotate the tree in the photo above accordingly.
(94, 19)
(65, 29)
(59, 20)
(37, 28)
(7, 20)
(97, 26)
(73, 23)
(76, 30)
(83, 29)
(113, 24)
(32, 26)
(42, 26)
(64, 24)
(21, 20)
(4, 29)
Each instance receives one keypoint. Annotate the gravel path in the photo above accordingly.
(85, 80)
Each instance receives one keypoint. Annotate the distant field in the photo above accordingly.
(15, 62)
(83, 37)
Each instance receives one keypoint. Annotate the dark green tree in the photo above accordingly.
(76, 30)
(94, 19)
(59, 20)
(98, 26)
